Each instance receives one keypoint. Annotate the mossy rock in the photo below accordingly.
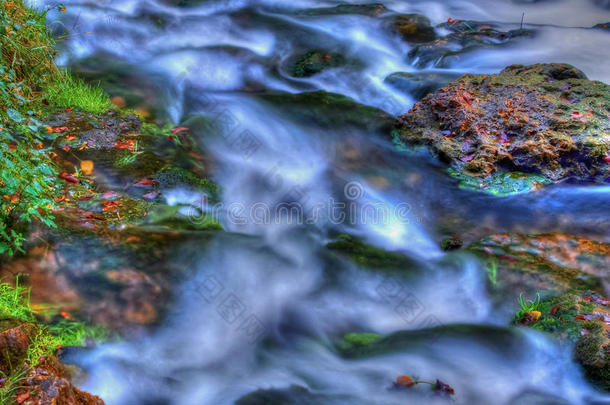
(500, 184)
(545, 119)
(314, 62)
(171, 217)
(354, 340)
(495, 338)
(370, 10)
(170, 177)
(366, 255)
(413, 28)
(552, 262)
(566, 317)
(330, 110)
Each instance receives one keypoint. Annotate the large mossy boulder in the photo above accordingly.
(545, 119)
(581, 319)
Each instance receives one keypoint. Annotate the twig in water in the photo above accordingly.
(522, 17)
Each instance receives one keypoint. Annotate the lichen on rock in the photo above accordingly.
(546, 119)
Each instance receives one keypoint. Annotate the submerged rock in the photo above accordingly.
(330, 110)
(419, 84)
(413, 28)
(368, 255)
(371, 10)
(462, 36)
(314, 62)
(545, 119)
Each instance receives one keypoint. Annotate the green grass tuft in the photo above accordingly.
(73, 92)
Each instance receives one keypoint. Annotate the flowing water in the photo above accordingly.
(261, 304)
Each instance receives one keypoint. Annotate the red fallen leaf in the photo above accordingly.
(70, 138)
(13, 198)
(607, 158)
(132, 239)
(69, 109)
(66, 315)
(45, 101)
(403, 381)
(66, 148)
(60, 199)
(91, 215)
(443, 389)
(59, 129)
(586, 298)
(150, 196)
(554, 310)
(69, 178)
(145, 183)
(576, 114)
(128, 144)
(178, 130)
(467, 158)
(85, 197)
(111, 206)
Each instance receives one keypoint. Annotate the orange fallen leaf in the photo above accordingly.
(86, 166)
(13, 198)
(404, 381)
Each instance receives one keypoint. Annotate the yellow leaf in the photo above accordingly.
(86, 166)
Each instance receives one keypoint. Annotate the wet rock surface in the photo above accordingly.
(543, 119)
(457, 37)
(551, 262)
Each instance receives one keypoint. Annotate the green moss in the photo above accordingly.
(500, 184)
(559, 317)
(355, 340)
(314, 62)
(169, 216)
(171, 176)
(368, 255)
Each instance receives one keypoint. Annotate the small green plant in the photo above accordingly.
(15, 302)
(11, 384)
(526, 305)
(492, 272)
